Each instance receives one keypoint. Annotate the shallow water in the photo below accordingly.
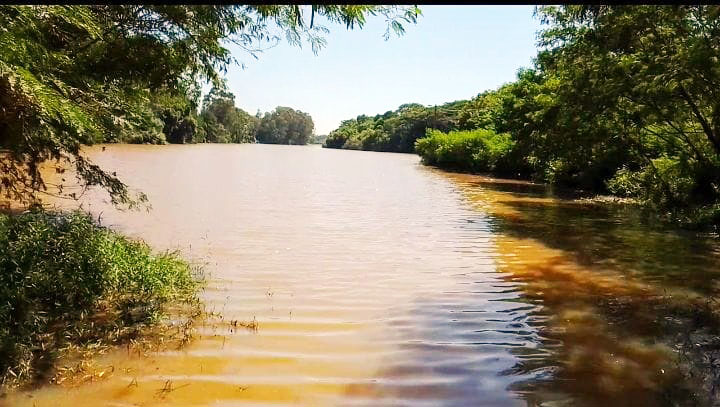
(376, 281)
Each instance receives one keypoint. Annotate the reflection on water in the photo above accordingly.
(611, 287)
(376, 281)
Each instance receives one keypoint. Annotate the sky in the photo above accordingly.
(452, 53)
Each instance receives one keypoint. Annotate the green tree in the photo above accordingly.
(179, 116)
(225, 123)
(285, 125)
(641, 81)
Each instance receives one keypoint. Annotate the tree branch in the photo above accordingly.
(703, 122)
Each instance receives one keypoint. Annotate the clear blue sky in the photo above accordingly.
(452, 53)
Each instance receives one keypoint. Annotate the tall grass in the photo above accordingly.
(66, 281)
(475, 150)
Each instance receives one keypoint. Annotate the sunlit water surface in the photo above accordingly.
(376, 281)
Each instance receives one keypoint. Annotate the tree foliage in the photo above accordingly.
(396, 130)
(222, 122)
(643, 113)
(621, 99)
(285, 125)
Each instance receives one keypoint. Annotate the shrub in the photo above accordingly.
(353, 143)
(64, 280)
(680, 190)
(476, 150)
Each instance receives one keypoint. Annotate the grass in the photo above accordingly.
(70, 287)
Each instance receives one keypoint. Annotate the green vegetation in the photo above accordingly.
(395, 131)
(621, 100)
(220, 121)
(285, 126)
(66, 282)
(472, 150)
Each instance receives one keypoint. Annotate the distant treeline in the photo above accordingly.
(220, 121)
(621, 99)
(396, 130)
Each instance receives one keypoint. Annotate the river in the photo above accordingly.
(377, 281)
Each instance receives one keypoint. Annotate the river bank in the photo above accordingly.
(650, 213)
(73, 289)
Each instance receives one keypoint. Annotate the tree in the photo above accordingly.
(641, 81)
(225, 123)
(70, 75)
(621, 99)
(285, 125)
(179, 116)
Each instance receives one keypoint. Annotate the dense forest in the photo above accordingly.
(620, 99)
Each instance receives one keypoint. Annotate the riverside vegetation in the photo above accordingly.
(220, 121)
(620, 100)
(77, 75)
(66, 282)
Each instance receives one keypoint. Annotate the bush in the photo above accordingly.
(476, 150)
(683, 191)
(147, 138)
(65, 281)
(335, 140)
(374, 140)
(353, 143)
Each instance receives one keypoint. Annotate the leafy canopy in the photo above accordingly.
(285, 125)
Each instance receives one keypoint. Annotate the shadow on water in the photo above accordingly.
(597, 236)
(585, 306)
(605, 238)
(624, 299)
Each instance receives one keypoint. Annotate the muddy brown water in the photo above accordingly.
(376, 281)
